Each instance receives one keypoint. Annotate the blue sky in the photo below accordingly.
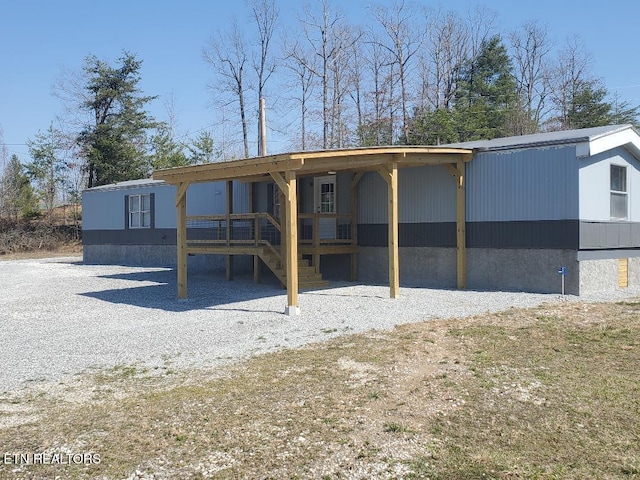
(40, 38)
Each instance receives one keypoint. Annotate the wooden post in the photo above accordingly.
(457, 172)
(390, 175)
(392, 196)
(256, 259)
(316, 241)
(461, 242)
(181, 240)
(229, 232)
(283, 230)
(292, 243)
(354, 224)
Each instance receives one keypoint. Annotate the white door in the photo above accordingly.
(325, 204)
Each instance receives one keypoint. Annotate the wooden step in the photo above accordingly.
(307, 276)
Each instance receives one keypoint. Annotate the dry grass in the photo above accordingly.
(54, 233)
(552, 392)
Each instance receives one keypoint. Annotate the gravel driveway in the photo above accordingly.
(59, 317)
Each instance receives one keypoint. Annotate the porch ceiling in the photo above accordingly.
(308, 163)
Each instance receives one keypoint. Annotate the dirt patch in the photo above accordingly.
(549, 392)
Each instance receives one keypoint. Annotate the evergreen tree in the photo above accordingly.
(47, 167)
(166, 152)
(434, 127)
(486, 93)
(589, 107)
(17, 197)
(114, 144)
(202, 149)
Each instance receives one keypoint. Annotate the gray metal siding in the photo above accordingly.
(425, 194)
(105, 209)
(534, 184)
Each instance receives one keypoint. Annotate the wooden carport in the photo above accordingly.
(284, 169)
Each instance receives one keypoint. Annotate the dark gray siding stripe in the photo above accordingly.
(410, 235)
(167, 236)
(553, 234)
(560, 234)
(131, 236)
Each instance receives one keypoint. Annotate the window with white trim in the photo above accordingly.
(140, 211)
(619, 194)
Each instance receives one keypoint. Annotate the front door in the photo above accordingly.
(325, 205)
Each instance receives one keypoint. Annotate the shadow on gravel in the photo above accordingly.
(204, 292)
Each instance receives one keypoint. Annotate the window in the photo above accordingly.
(327, 197)
(140, 211)
(619, 200)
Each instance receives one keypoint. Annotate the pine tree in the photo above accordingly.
(47, 166)
(487, 93)
(114, 144)
(17, 198)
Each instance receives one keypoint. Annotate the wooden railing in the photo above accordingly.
(326, 228)
(234, 229)
(263, 229)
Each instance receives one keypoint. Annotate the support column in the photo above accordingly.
(461, 220)
(289, 236)
(181, 240)
(292, 243)
(354, 224)
(390, 175)
(257, 225)
(229, 231)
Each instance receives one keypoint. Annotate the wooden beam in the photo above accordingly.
(223, 250)
(181, 240)
(228, 170)
(280, 181)
(452, 170)
(292, 244)
(392, 205)
(355, 180)
(327, 249)
(384, 173)
(181, 191)
(229, 233)
(461, 242)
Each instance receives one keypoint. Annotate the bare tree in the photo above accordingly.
(571, 72)
(172, 115)
(376, 126)
(301, 63)
(345, 39)
(227, 55)
(447, 50)
(404, 41)
(265, 15)
(321, 32)
(531, 47)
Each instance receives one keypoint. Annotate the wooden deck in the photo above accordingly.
(259, 235)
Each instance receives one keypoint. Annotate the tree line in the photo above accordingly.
(408, 75)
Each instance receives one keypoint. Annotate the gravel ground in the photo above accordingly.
(59, 318)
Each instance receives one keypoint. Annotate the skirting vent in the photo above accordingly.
(623, 272)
